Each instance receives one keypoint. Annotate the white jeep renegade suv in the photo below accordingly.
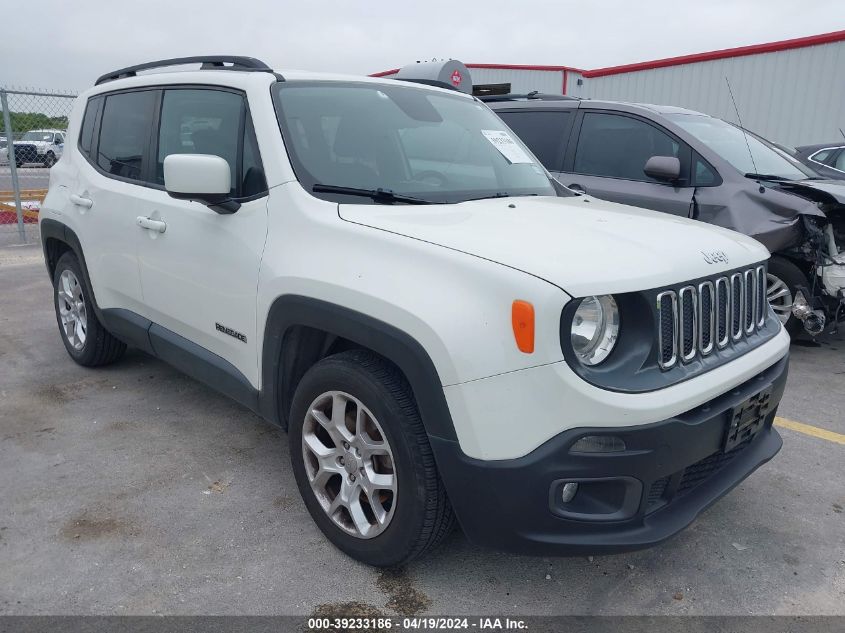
(384, 270)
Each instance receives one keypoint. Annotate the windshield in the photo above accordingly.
(729, 142)
(38, 136)
(408, 140)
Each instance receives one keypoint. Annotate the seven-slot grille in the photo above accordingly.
(698, 319)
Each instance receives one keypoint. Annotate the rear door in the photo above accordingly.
(608, 152)
(104, 200)
(200, 275)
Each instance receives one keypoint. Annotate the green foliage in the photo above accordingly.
(25, 121)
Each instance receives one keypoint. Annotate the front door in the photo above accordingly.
(609, 157)
(199, 268)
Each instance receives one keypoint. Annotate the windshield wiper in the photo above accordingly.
(379, 195)
(765, 176)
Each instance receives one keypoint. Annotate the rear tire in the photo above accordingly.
(783, 281)
(360, 389)
(84, 337)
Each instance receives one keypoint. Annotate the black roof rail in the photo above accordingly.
(531, 96)
(209, 62)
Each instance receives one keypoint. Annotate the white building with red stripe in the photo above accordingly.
(791, 91)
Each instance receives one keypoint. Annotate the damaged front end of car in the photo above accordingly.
(802, 222)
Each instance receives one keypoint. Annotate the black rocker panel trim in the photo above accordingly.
(203, 365)
(386, 340)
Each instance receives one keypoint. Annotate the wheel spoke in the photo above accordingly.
(778, 294)
(328, 425)
(359, 518)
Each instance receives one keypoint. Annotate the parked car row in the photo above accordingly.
(41, 147)
(692, 165)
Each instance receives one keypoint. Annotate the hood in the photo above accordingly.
(580, 244)
(824, 191)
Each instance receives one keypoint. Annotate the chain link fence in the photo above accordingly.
(33, 126)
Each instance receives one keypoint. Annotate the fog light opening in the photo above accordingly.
(568, 491)
(598, 444)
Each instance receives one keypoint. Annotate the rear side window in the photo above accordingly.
(125, 133)
(542, 131)
(207, 121)
(86, 134)
(618, 146)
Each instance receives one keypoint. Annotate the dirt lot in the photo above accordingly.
(135, 490)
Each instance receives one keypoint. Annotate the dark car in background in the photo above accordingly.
(690, 164)
(827, 159)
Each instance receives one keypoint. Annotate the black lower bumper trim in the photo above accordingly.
(680, 463)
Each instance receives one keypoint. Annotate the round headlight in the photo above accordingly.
(595, 328)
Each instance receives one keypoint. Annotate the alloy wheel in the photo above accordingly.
(72, 309)
(779, 296)
(349, 464)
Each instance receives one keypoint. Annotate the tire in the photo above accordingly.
(49, 160)
(416, 512)
(18, 164)
(790, 276)
(84, 337)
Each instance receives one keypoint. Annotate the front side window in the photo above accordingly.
(434, 146)
(125, 133)
(619, 146)
(542, 131)
(745, 152)
(839, 163)
(207, 121)
(59, 139)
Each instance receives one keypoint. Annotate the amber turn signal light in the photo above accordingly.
(522, 318)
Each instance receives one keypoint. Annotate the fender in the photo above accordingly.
(125, 325)
(384, 339)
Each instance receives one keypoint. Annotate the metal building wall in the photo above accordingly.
(794, 97)
(522, 81)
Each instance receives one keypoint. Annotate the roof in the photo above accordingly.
(740, 51)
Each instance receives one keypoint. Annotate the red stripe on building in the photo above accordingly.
(741, 51)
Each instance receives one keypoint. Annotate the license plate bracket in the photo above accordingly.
(747, 419)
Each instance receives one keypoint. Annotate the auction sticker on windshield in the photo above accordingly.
(504, 142)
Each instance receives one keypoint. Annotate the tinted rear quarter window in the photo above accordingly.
(125, 133)
(542, 131)
(86, 134)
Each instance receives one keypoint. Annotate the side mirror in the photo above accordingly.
(201, 177)
(663, 168)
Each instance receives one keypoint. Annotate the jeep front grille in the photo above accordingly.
(693, 321)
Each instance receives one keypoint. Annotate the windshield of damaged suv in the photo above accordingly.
(736, 147)
(404, 140)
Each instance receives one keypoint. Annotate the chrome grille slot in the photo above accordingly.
(723, 312)
(667, 341)
(749, 280)
(706, 317)
(762, 307)
(687, 332)
(716, 313)
(737, 306)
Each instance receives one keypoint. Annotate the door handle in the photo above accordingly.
(577, 188)
(160, 226)
(79, 201)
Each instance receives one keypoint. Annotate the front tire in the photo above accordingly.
(84, 337)
(49, 160)
(363, 463)
(783, 281)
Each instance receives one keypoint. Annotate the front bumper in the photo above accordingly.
(669, 473)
